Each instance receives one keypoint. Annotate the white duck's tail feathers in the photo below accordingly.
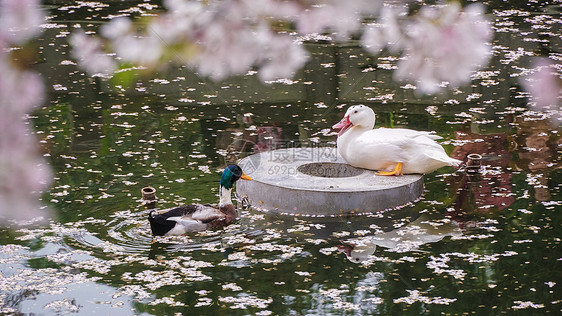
(455, 162)
(444, 158)
(430, 135)
(433, 136)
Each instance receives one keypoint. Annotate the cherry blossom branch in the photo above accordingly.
(439, 44)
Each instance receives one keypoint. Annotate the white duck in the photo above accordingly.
(393, 151)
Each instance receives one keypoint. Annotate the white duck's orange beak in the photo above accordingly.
(343, 125)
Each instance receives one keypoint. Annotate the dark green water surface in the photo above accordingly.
(485, 245)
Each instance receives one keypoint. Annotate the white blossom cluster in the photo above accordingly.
(544, 85)
(221, 39)
(441, 44)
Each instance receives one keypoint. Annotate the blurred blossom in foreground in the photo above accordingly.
(446, 44)
(219, 40)
(227, 38)
(88, 52)
(387, 33)
(23, 171)
(341, 18)
(544, 86)
(19, 20)
(441, 44)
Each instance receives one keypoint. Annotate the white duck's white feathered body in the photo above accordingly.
(383, 148)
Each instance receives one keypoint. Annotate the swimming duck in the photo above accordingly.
(199, 217)
(393, 151)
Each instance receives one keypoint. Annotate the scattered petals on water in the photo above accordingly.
(203, 301)
(231, 287)
(63, 306)
(526, 304)
(154, 280)
(243, 301)
(169, 301)
(328, 251)
(136, 291)
(416, 296)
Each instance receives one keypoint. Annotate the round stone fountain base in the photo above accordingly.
(318, 182)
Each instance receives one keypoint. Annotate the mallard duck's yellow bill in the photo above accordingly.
(245, 177)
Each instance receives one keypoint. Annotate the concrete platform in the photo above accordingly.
(317, 182)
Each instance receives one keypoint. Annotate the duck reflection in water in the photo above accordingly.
(425, 229)
(492, 188)
(536, 143)
(248, 138)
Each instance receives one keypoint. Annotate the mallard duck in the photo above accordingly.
(199, 217)
(393, 151)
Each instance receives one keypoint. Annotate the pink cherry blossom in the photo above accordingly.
(343, 18)
(20, 20)
(88, 51)
(21, 90)
(441, 43)
(445, 44)
(282, 58)
(117, 28)
(544, 85)
(387, 33)
(23, 172)
(141, 50)
(221, 39)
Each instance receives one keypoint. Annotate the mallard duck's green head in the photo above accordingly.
(232, 174)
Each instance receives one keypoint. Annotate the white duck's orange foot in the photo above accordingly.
(396, 172)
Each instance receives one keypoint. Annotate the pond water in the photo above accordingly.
(486, 244)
